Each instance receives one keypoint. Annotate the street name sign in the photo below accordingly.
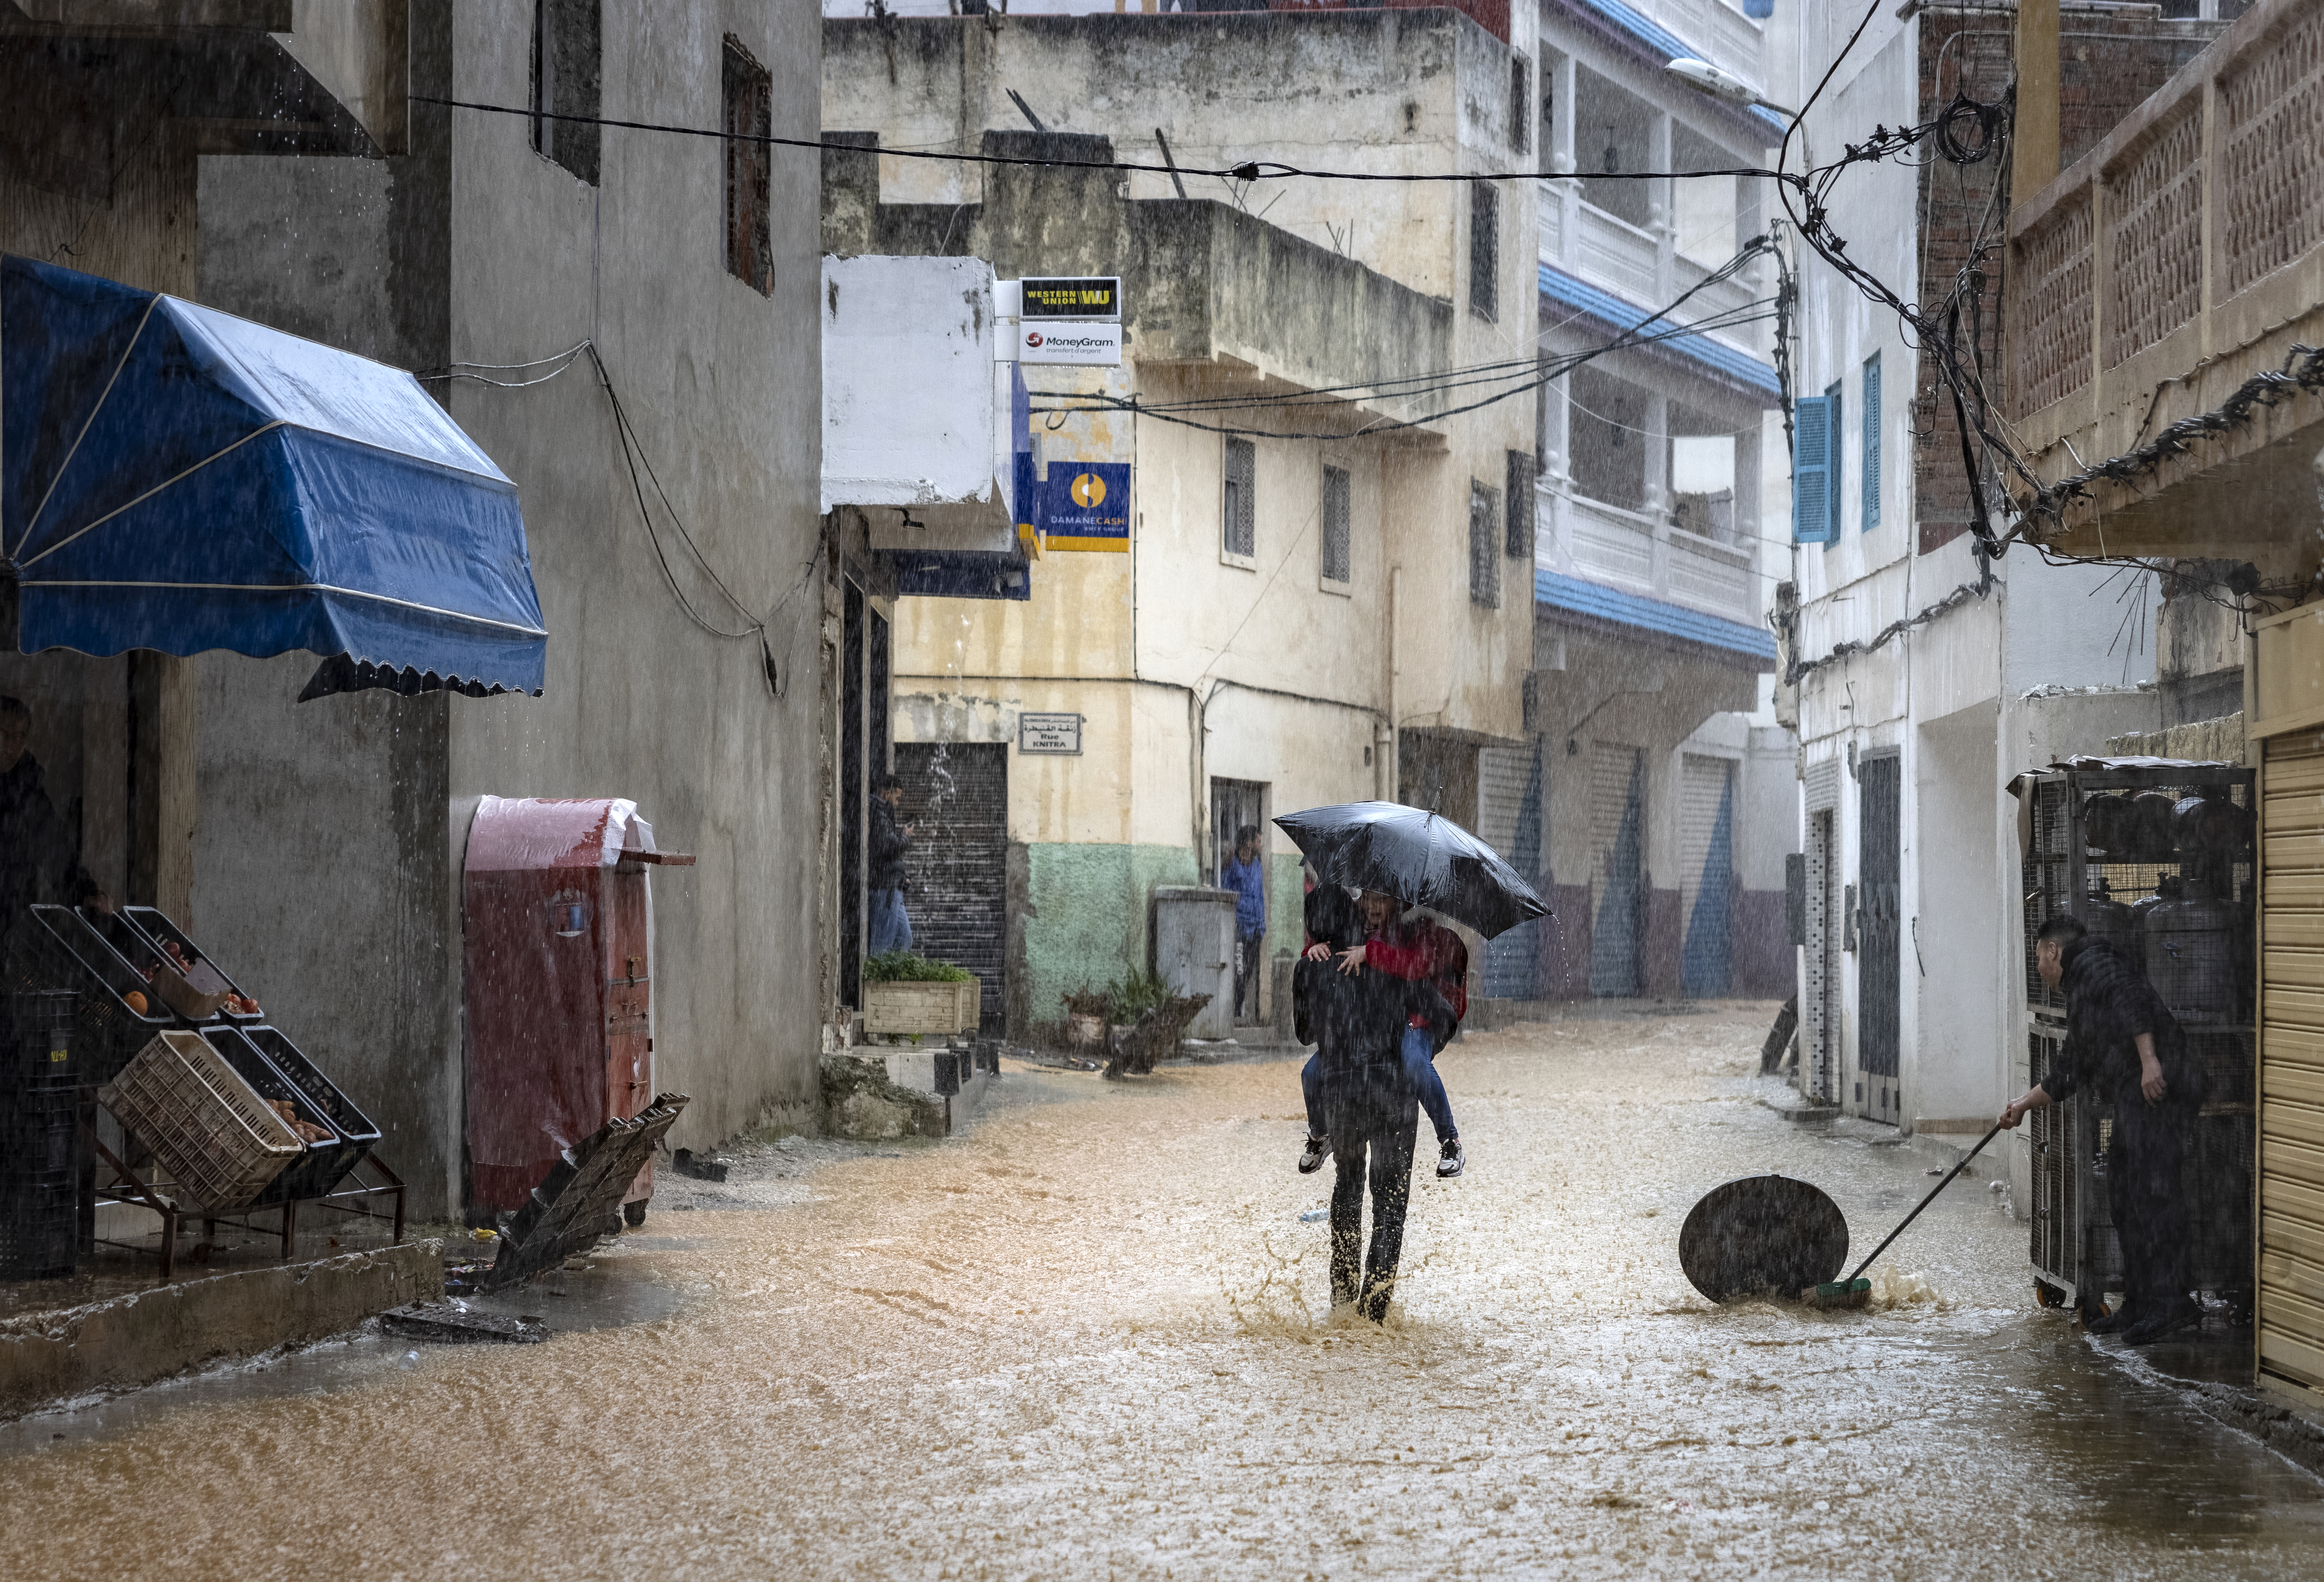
(1059, 734)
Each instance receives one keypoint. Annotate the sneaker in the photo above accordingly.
(1451, 1159)
(2172, 1317)
(1319, 1148)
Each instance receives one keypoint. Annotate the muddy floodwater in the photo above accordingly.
(1087, 1339)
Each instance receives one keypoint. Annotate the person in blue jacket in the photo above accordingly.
(1246, 876)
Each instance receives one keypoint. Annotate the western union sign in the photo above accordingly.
(1088, 297)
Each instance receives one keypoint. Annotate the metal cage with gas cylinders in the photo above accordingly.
(2156, 857)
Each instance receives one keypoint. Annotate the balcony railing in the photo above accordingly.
(2180, 256)
(1642, 554)
(1636, 265)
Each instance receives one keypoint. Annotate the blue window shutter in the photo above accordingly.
(1811, 469)
(1836, 435)
(1872, 442)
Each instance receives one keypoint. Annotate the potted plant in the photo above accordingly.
(910, 994)
(1087, 1011)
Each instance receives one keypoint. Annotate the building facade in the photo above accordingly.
(2166, 289)
(1319, 592)
(317, 846)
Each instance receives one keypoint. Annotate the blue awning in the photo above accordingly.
(1746, 374)
(176, 478)
(1597, 604)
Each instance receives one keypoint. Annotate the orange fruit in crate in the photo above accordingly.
(134, 1001)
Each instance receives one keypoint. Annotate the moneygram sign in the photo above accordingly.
(1073, 342)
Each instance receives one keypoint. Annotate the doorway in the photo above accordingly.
(1237, 805)
(956, 799)
(1877, 1094)
(1820, 963)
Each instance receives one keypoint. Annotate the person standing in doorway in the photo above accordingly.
(2125, 1046)
(40, 855)
(888, 927)
(1246, 876)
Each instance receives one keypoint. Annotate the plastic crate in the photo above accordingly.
(357, 1133)
(39, 1229)
(275, 1070)
(39, 1131)
(59, 948)
(216, 1140)
(154, 929)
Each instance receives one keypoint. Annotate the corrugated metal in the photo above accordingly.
(1508, 820)
(1706, 866)
(1880, 965)
(1616, 843)
(2292, 1061)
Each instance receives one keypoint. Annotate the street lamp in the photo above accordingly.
(1703, 76)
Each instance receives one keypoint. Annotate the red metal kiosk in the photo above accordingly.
(559, 930)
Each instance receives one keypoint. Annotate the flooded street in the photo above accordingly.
(1085, 1339)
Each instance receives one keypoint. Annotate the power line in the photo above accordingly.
(1246, 170)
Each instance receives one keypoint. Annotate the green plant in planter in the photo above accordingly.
(1137, 993)
(902, 966)
(1086, 1000)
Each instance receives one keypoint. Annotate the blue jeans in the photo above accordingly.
(1419, 1070)
(888, 927)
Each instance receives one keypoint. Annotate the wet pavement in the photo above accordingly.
(1087, 1339)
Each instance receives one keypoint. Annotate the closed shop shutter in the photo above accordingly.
(956, 798)
(1508, 820)
(1706, 862)
(2292, 1064)
(1617, 863)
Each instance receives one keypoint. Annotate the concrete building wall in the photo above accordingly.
(476, 249)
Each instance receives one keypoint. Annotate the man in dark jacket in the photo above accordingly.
(40, 855)
(2124, 1045)
(888, 927)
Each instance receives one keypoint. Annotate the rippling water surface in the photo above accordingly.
(1087, 1339)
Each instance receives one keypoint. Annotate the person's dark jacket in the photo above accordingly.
(888, 843)
(2108, 1004)
(1354, 1020)
(39, 859)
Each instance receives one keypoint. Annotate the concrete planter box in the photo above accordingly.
(920, 1008)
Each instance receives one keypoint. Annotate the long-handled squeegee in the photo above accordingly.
(1856, 1290)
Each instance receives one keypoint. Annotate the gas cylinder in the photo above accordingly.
(2109, 920)
(2191, 953)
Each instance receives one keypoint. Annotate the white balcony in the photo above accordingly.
(1639, 552)
(1614, 254)
(1636, 264)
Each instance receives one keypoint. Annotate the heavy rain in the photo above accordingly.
(1201, 788)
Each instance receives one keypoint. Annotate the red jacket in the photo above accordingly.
(1426, 952)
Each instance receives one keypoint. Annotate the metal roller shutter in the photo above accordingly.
(1706, 866)
(1616, 864)
(956, 795)
(1508, 820)
(2292, 1064)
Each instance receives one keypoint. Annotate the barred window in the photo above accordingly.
(1335, 524)
(1521, 474)
(1484, 546)
(1238, 530)
(1520, 104)
(564, 79)
(1484, 250)
(748, 93)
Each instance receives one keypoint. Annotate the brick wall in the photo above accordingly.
(957, 796)
(2109, 64)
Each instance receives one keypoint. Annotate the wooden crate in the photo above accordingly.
(920, 1008)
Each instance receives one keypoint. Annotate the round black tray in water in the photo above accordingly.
(1759, 1235)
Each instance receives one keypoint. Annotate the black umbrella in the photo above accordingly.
(1421, 859)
